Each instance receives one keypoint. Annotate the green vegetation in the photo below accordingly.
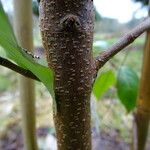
(127, 87)
(17, 54)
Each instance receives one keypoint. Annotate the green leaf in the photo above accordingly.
(17, 54)
(5, 26)
(127, 87)
(103, 83)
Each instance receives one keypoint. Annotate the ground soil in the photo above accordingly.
(12, 140)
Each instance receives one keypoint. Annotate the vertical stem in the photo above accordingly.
(142, 115)
(67, 34)
(23, 30)
(143, 109)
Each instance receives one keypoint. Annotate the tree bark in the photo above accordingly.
(23, 30)
(67, 35)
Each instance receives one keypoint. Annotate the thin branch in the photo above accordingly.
(6, 63)
(122, 43)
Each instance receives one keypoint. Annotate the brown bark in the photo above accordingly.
(67, 33)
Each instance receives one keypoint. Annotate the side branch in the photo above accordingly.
(122, 43)
(6, 63)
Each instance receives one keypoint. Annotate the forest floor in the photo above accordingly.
(114, 125)
(13, 140)
(105, 141)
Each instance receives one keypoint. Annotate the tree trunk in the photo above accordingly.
(23, 30)
(142, 115)
(67, 35)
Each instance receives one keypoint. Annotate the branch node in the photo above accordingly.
(70, 23)
(122, 43)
